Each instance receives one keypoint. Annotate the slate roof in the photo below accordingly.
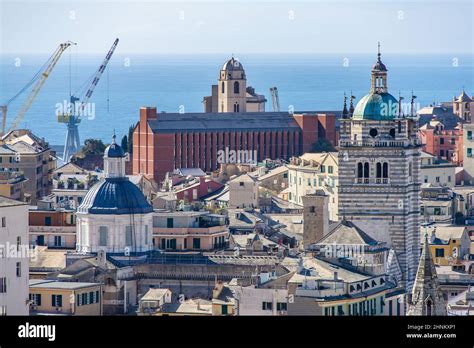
(346, 232)
(222, 121)
(115, 196)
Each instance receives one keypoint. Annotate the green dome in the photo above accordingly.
(377, 107)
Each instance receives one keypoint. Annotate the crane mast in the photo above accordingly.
(275, 99)
(73, 119)
(40, 79)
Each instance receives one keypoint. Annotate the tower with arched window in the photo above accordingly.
(379, 173)
(232, 82)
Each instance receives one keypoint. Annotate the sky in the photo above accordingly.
(239, 26)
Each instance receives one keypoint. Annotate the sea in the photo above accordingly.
(175, 83)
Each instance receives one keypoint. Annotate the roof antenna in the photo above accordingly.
(378, 51)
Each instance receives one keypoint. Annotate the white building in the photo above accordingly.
(253, 300)
(311, 172)
(438, 173)
(114, 215)
(243, 192)
(14, 257)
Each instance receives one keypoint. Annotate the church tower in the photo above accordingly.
(232, 87)
(379, 173)
(426, 298)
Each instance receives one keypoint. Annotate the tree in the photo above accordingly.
(130, 139)
(322, 145)
(92, 147)
(124, 143)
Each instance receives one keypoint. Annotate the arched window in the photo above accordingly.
(236, 87)
(385, 170)
(379, 170)
(223, 88)
(236, 107)
(359, 170)
(366, 170)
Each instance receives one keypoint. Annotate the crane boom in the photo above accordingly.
(51, 63)
(97, 77)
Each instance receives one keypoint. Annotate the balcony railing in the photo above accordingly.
(378, 143)
(52, 229)
(377, 181)
(188, 230)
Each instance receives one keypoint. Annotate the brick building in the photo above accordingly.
(166, 141)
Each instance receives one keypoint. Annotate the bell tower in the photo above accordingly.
(379, 75)
(232, 87)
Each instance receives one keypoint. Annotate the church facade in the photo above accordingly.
(379, 173)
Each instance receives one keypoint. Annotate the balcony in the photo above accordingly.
(53, 229)
(378, 143)
(183, 231)
(372, 181)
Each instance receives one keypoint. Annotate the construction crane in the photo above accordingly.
(73, 117)
(38, 80)
(275, 99)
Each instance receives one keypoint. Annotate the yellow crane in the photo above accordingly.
(38, 80)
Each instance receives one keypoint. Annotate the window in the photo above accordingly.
(196, 243)
(169, 223)
(224, 310)
(3, 285)
(103, 236)
(223, 88)
(91, 297)
(366, 170)
(437, 179)
(379, 170)
(469, 135)
(35, 299)
(57, 300)
(267, 306)
(469, 154)
(453, 141)
(323, 169)
(426, 179)
(309, 182)
(282, 306)
(359, 170)
(128, 235)
(439, 252)
(4, 222)
(330, 169)
(441, 153)
(236, 87)
(241, 183)
(312, 209)
(47, 221)
(385, 170)
(57, 241)
(441, 141)
(18, 269)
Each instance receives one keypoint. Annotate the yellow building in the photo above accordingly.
(448, 243)
(65, 298)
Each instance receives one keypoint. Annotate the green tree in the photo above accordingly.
(322, 145)
(92, 147)
(130, 139)
(124, 143)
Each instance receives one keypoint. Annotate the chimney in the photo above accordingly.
(315, 217)
(147, 113)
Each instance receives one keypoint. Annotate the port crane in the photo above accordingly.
(37, 82)
(73, 117)
(275, 99)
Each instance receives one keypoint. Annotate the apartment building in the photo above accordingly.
(14, 257)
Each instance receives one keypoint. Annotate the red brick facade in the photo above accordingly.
(156, 152)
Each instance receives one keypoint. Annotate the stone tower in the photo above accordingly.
(315, 217)
(232, 87)
(379, 173)
(462, 106)
(426, 298)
